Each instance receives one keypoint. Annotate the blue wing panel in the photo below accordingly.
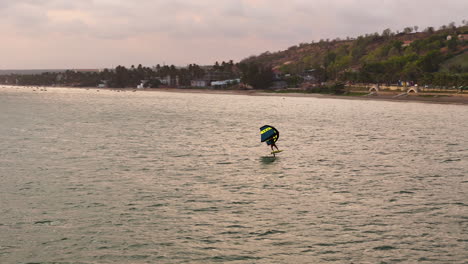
(268, 132)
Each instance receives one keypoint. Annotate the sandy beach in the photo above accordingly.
(385, 96)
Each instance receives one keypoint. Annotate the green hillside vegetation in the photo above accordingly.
(428, 57)
(457, 64)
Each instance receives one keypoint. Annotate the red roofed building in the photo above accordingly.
(463, 37)
(406, 43)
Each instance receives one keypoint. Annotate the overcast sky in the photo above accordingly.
(106, 33)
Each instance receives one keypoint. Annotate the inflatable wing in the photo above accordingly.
(268, 132)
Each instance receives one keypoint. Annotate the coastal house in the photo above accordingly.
(169, 81)
(277, 74)
(103, 84)
(309, 75)
(142, 84)
(463, 37)
(199, 83)
(225, 83)
(406, 43)
(278, 79)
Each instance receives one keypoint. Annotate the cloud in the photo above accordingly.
(227, 28)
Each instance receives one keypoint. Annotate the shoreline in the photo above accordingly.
(456, 99)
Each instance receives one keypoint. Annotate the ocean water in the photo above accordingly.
(92, 176)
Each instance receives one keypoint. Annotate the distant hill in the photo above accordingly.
(31, 71)
(385, 57)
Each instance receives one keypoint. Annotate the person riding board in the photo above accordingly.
(270, 135)
(271, 143)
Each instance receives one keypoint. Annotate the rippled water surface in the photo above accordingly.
(93, 176)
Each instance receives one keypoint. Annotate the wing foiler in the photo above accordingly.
(268, 133)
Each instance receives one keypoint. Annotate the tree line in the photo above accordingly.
(256, 75)
(120, 77)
